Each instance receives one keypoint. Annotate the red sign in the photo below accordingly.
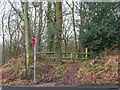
(33, 41)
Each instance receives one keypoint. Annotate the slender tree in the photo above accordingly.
(11, 33)
(50, 32)
(26, 37)
(39, 27)
(73, 22)
(73, 17)
(81, 29)
(3, 54)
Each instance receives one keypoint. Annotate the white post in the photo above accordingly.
(86, 51)
(35, 60)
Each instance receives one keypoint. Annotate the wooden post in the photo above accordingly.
(86, 53)
(74, 56)
(71, 56)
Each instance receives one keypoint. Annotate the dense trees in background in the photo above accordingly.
(102, 30)
(59, 27)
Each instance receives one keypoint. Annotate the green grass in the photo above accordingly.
(60, 75)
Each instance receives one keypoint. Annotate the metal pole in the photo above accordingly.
(26, 72)
(35, 60)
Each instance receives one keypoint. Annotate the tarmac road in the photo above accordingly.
(39, 87)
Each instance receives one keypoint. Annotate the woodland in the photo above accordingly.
(76, 43)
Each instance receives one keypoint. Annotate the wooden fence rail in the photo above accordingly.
(66, 55)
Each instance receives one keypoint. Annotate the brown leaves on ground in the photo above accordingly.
(112, 61)
(13, 70)
(78, 73)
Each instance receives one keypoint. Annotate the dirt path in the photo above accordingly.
(71, 73)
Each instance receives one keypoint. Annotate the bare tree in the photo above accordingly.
(73, 21)
(3, 54)
(39, 27)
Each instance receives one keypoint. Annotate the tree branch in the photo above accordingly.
(16, 10)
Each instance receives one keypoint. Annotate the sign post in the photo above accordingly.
(34, 44)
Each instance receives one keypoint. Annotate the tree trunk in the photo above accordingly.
(81, 30)
(3, 51)
(40, 28)
(26, 37)
(10, 47)
(74, 27)
(58, 51)
(50, 32)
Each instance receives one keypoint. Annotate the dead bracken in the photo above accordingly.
(78, 73)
